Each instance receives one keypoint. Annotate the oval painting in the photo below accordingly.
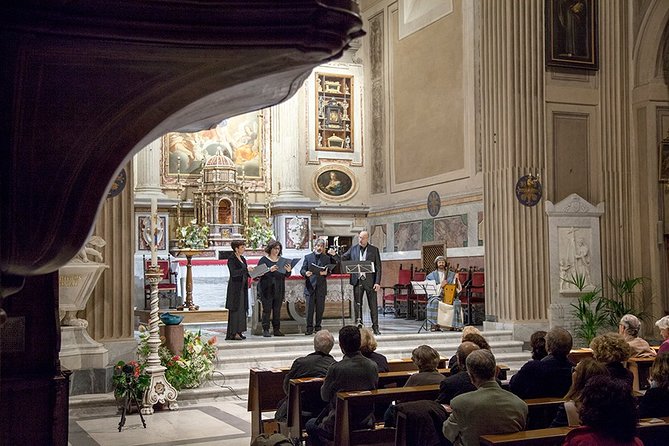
(334, 183)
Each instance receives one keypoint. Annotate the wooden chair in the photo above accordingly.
(167, 287)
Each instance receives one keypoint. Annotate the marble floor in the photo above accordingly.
(222, 421)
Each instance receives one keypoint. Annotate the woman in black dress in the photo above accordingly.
(237, 301)
(272, 287)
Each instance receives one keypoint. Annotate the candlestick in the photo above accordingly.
(154, 231)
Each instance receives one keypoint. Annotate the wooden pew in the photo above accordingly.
(640, 368)
(345, 435)
(541, 411)
(297, 388)
(265, 392)
(406, 364)
(650, 433)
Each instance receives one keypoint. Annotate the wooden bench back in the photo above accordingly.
(265, 392)
(650, 434)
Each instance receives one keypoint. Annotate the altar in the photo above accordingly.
(294, 309)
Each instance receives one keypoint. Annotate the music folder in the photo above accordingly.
(258, 271)
(281, 264)
(316, 269)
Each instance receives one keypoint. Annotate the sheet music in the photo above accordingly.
(281, 264)
(428, 286)
(316, 269)
(258, 271)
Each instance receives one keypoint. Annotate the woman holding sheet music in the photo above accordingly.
(237, 297)
(272, 287)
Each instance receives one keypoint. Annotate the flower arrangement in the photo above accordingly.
(259, 233)
(193, 236)
(192, 366)
(130, 376)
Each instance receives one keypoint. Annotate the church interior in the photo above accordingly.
(528, 146)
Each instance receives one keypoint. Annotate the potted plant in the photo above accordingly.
(193, 236)
(259, 233)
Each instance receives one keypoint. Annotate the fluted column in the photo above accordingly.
(513, 137)
(147, 168)
(110, 309)
(285, 147)
(617, 227)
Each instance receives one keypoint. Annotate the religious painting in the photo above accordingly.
(238, 138)
(144, 232)
(452, 230)
(408, 236)
(335, 183)
(571, 34)
(664, 162)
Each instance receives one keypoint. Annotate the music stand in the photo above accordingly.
(357, 267)
(429, 288)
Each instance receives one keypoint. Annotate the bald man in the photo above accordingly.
(368, 284)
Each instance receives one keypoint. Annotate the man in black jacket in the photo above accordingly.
(353, 372)
(314, 365)
(365, 283)
(316, 285)
(549, 377)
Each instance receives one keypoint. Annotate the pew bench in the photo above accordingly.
(650, 433)
(302, 389)
(346, 435)
(265, 392)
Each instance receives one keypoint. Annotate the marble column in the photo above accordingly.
(147, 169)
(285, 146)
(513, 140)
(619, 230)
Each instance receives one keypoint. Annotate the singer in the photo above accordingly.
(365, 283)
(315, 270)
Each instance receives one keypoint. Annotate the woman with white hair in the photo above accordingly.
(629, 327)
(663, 325)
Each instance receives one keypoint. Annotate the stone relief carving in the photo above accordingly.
(90, 253)
(297, 231)
(574, 250)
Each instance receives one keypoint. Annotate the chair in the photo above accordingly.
(474, 298)
(398, 299)
(167, 287)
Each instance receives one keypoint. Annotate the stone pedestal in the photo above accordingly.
(79, 351)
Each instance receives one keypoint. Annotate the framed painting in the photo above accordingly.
(240, 138)
(571, 34)
(664, 162)
(335, 183)
(144, 232)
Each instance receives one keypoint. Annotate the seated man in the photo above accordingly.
(314, 365)
(443, 276)
(549, 377)
(488, 410)
(353, 372)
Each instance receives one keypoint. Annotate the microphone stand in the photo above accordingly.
(337, 257)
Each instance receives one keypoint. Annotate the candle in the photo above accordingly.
(154, 231)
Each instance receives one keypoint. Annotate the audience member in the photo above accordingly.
(538, 345)
(368, 346)
(353, 372)
(628, 328)
(425, 419)
(663, 325)
(314, 365)
(608, 414)
(487, 410)
(612, 350)
(655, 402)
(567, 414)
(426, 360)
(471, 336)
(552, 375)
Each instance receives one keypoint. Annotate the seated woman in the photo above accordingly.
(608, 414)
(567, 414)
(426, 360)
(663, 325)
(367, 348)
(612, 350)
(538, 345)
(629, 327)
(655, 402)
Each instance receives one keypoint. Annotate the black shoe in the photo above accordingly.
(241, 336)
(265, 334)
(308, 332)
(377, 332)
(278, 333)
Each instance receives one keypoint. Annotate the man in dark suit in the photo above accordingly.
(316, 286)
(550, 376)
(314, 365)
(365, 283)
(353, 372)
